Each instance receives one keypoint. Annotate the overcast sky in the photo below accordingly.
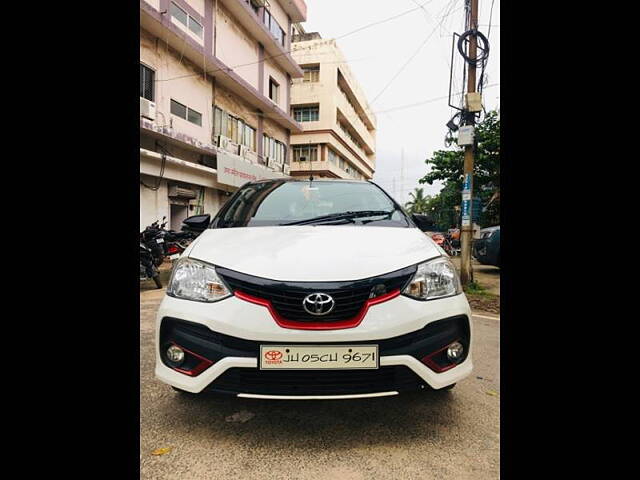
(377, 53)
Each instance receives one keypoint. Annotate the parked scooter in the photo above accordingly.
(148, 268)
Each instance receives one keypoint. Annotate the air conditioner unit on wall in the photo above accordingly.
(147, 109)
(222, 141)
(176, 191)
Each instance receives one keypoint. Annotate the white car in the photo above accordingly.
(307, 289)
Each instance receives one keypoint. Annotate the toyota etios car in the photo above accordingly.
(304, 289)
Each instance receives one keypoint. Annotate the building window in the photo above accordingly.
(334, 157)
(275, 150)
(350, 136)
(234, 128)
(305, 153)
(311, 73)
(182, 111)
(306, 114)
(274, 90)
(146, 82)
(254, 4)
(274, 27)
(187, 20)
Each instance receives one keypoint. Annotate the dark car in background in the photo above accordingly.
(486, 249)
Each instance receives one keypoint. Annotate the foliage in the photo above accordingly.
(447, 166)
(418, 202)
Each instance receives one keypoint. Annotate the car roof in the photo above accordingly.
(306, 179)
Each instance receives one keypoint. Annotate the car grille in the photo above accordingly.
(316, 382)
(286, 297)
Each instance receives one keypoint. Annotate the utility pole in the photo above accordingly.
(466, 269)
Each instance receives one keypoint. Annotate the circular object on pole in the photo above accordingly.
(484, 48)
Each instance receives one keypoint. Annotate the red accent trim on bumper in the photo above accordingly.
(348, 323)
(201, 367)
(428, 360)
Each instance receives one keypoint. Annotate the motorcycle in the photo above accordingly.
(192, 227)
(444, 241)
(153, 238)
(148, 268)
(163, 243)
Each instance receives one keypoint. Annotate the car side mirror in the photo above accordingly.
(423, 222)
(198, 223)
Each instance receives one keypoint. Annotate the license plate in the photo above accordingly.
(160, 240)
(318, 357)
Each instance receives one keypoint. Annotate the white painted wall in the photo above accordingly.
(212, 201)
(235, 46)
(153, 204)
(197, 5)
(271, 70)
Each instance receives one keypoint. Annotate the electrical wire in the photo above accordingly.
(423, 102)
(286, 52)
(156, 187)
(414, 55)
(490, 17)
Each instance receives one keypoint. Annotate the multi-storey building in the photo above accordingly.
(339, 137)
(215, 89)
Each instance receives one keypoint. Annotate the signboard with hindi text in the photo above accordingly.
(236, 171)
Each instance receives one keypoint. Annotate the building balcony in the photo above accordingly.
(350, 116)
(296, 9)
(273, 47)
(317, 168)
(162, 27)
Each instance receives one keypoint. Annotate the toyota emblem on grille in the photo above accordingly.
(318, 303)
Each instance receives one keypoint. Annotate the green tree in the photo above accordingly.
(447, 166)
(418, 202)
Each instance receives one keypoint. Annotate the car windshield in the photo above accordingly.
(310, 203)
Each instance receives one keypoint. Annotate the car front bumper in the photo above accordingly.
(228, 333)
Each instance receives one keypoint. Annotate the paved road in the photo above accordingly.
(441, 435)
(487, 276)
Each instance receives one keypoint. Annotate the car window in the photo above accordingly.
(278, 202)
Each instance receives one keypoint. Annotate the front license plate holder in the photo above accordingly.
(319, 357)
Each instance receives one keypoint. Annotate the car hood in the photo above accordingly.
(313, 253)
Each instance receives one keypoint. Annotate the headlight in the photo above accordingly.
(436, 278)
(194, 280)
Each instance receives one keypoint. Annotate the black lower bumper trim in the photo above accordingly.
(308, 382)
(216, 346)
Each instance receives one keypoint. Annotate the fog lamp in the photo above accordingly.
(175, 354)
(455, 351)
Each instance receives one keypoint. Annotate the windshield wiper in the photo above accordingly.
(341, 216)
